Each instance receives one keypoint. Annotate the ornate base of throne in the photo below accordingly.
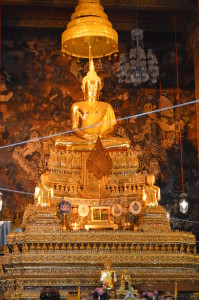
(153, 219)
(39, 258)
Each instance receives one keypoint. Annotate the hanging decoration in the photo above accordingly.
(139, 67)
(89, 26)
(184, 204)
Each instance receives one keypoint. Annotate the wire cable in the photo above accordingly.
(184, 220)
(16, 191)
(178, 97)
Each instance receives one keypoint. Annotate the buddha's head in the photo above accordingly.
(107, 263)
(44, 178)
(150, 179)
(91, 84)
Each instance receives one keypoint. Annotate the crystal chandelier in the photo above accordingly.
(139, 67)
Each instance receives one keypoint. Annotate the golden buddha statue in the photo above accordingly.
(125, 278)
(151, 193)
(92, 118)
(108, 276)
(43, 193)
(126, 288)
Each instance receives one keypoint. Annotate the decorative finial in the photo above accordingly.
(92, 68)
(91, 75)
(99, 162)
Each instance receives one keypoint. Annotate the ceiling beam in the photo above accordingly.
(122, 20)
(163, 5)
(157, 26)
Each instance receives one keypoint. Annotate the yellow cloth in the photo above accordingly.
(100, 113)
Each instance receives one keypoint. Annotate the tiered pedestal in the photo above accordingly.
(46, 255)
(153, 219)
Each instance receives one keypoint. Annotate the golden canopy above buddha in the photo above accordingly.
(92, 118)
(89, 27)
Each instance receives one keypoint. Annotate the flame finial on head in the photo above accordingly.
(91, 75)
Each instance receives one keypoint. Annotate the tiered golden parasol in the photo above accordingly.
(89, 28)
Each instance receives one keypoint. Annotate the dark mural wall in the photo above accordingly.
(39, 85)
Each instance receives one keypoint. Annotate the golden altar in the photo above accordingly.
(118, 197)
(74, 258)
(44, 254)
(94, 168)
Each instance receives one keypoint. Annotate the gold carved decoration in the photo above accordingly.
(99, 162)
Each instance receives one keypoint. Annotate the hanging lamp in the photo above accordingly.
(89, 26)
(184, 204)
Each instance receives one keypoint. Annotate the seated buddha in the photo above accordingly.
(92, 118)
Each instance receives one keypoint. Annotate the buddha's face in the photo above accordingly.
(150, 179)
(92, 90)
(43, 178)
(107, 264)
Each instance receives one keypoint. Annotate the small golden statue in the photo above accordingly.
(151, 193)
(98, 119)
(125, 280)
(108, 276)
(126, 287)
(43, 193)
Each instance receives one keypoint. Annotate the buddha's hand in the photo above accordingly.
(92, 137)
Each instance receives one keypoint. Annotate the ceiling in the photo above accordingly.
(152, 15)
